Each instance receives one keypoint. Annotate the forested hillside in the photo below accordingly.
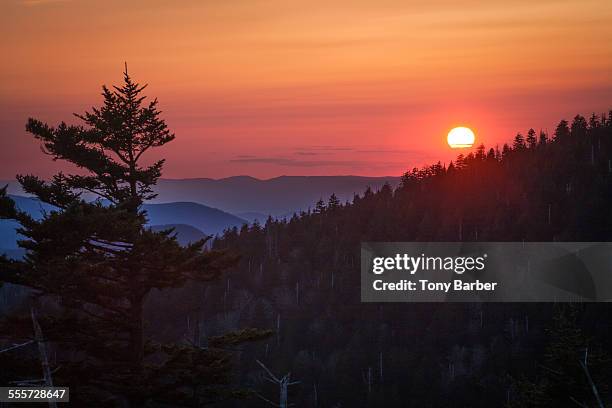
(301, 277)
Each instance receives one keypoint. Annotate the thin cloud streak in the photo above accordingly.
(285, 161)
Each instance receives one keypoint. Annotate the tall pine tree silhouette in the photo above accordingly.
(94, 262)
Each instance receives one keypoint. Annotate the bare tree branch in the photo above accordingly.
(16, 346)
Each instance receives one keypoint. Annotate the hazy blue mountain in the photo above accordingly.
(277, 196)
(13, 186)
(203, 219)
(185, 234)
(17, 253)
(8, 233)
(206, 219)
(32, 206)
(253, 198)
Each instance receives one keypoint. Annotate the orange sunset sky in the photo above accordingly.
(267, 88)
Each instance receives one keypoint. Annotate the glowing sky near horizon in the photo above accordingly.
(267, 88)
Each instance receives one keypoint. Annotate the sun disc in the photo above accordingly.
(460, 137)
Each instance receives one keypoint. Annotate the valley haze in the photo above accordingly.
(251, 198)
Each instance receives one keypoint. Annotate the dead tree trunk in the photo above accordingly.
(583, 364)
(42, 350)
(283, 385)
(284, 388)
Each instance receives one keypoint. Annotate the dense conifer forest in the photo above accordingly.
(300, 277)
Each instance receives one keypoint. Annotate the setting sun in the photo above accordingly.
(460, 137)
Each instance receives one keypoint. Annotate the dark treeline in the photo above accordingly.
(300, 277)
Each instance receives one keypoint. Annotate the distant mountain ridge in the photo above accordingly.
(206, 219)
(252, 198)
(185, 234)
(194, 220)
(277, 196)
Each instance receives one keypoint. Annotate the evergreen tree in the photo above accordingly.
(562, 131)
(320, 207)
(519, 142)
(333, 202)
(460, 161)
(505, 151)
(579, 126)
(97, 262)
(531, 139)
(449, 169)
(595, 122)
(543, 139)
(480, 152)
(498, 154)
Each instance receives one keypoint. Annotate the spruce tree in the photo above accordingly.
(93, 262)
(531, 139)
(519, 142)
(543, 139)
(562, 131)
(333, 202)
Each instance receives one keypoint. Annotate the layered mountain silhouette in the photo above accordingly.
(192, 221)
(253, 198)
(185, 234)
(207, 219)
